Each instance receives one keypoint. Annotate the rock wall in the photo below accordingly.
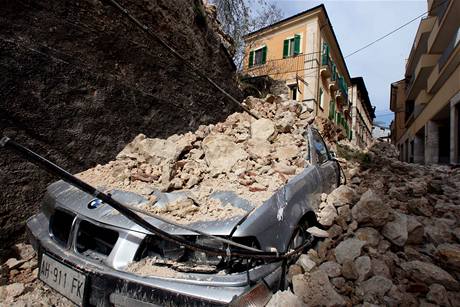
(79, 82)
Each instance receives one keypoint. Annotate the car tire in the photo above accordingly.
(299, 237)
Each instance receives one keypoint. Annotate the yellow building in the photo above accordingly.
(303, 51)
(426, 104)
(362, 113)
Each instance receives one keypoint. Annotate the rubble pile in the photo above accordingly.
(393, 239)
(249, 157)
(19, 284)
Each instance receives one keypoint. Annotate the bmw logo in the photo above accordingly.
(95, 203)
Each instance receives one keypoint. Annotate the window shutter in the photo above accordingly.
(264, 54)
(251, 58)
(286, 48)
(296, 44)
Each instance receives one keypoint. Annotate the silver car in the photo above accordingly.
(85, 249)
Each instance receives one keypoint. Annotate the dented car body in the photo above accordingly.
(95, 248)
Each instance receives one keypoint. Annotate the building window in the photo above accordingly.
(291, 46)
(321, 98)
(293, 92)
(258, 56)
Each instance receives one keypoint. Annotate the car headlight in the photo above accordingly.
(202, 258)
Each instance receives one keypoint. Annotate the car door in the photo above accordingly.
(321, 157)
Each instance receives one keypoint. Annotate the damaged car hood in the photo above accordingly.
(64, 196)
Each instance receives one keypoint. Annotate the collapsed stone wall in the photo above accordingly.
(79, 82)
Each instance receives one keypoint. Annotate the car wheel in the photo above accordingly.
(299, 237)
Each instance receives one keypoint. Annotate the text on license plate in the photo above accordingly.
(63, 279)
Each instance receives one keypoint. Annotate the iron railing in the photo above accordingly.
(293, 64)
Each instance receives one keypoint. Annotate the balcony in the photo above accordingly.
(342, 94)
(284, 68)
(422, 71)
(450, 48)
(420, 42)
(447, 63)
(445, 26)
(326, 65)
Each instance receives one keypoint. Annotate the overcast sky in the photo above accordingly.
(357, 23)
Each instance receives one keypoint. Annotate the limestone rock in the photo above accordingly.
(363, 267)
(349, 270)
(335, 231)
(376, 286)
(429, 274)
(331, 268)
(370, 235)
(439, 230)
(370, 210)
(348, 250)
(345, 213)
(294, 270)
(221, 153)
(327, 215)
(25, 251)
(284, 299)
(262, 129)
(306, 263)
(286, 153)
(438, 295)
(420, 206)
(14, 263)
(316, 232)
(396, 230)
(284, 169)
(449, 255)
(380, 268)
(341, 196)
(316, 290)
(415, 230)
(14, 290)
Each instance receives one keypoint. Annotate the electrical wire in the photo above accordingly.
(395, 30)
(187, 63)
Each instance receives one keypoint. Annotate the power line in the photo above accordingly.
(395, 30)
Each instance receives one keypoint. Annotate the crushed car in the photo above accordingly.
(95, 256)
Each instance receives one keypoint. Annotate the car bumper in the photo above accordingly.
(113, 287)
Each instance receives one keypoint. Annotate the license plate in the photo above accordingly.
(63, 279)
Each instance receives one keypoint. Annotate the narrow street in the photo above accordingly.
(242, 153)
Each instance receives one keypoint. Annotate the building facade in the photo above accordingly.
(362, 114)
(426, 103)
(303, 51)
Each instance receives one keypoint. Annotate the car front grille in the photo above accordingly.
(94, 241)
(61, 225)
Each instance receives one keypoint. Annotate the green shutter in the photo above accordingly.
(285, 48)
(296, 44)
(264, 55)
(251, 58)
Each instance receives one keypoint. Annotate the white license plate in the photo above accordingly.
(63, 279)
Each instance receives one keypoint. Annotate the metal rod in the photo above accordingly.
(146, 212)
(85, 187)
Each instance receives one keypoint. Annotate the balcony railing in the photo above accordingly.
(441, 9)
(288, 65)
(343, 87)
(449, 49)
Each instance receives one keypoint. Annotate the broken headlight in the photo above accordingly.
(200, 257)
(153, 246)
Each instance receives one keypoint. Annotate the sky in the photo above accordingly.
(357, 23)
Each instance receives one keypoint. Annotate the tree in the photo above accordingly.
(240, 17)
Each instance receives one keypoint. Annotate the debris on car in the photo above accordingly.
(224, 208)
